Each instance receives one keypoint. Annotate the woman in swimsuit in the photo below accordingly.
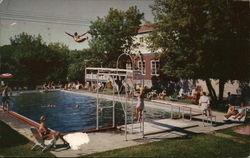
(47, 133)
(140, 104)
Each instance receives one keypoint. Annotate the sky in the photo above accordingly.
(51, 18)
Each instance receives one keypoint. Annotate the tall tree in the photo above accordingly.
(203, 40)
(113, 34)
(32, 61)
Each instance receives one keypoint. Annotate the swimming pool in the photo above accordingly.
(63, 115)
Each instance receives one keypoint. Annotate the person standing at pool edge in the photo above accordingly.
(140, 104)
(5, 98)
(204, 102)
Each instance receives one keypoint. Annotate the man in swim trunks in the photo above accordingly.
(78, 38)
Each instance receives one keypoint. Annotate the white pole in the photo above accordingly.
(97, 103)
(126, 137)
(113, 102)
(171, 111)
(117, 62)
(143, 124)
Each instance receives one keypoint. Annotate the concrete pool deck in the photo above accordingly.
(109, 140)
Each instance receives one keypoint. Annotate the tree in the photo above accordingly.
(32, 61)
(203, 39)
(78, 62)
(113, 34)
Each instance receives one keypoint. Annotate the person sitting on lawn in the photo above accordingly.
(241, 112)
(162, 94)
(231, 111)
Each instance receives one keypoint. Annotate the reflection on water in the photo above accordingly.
(63, 115)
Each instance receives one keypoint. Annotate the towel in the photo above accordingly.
(75, 140)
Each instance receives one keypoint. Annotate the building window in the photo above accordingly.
(128, 66)
(142, 68)
(155, 65)
(141, 39)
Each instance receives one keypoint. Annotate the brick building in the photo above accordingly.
(145, 59)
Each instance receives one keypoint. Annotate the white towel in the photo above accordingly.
(75, 140)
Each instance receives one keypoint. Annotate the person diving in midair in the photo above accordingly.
(78, 38)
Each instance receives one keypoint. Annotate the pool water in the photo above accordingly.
(62, 114)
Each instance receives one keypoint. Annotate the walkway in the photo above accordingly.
(109, 140)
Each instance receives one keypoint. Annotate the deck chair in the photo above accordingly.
(243, 119)
(40, 142)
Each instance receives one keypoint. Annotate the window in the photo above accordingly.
(155, 65)
(142, 66)
(141, 39)
(128, 66)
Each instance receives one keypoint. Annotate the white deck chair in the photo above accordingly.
(40, 142)
(236, 120)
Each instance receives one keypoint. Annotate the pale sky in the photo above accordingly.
(51, 18)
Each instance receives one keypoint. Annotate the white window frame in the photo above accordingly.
(156, 69)
(129, 66)
(144, 66)
(141, 39)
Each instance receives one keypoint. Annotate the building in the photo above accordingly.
(145, 59)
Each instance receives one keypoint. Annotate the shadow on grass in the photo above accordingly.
(10, 137)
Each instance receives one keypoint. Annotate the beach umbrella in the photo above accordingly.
(6, 75)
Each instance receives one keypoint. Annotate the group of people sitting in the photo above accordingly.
(73, 85)
(238, 112)
(153, 94)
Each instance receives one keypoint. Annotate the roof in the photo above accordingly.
(146, 28)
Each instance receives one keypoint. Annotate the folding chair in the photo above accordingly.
(40, 142)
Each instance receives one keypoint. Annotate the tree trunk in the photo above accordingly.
(221, 89)
(211, 91)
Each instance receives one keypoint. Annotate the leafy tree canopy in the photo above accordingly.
(203, 39)
(113, 34)
(32, 61)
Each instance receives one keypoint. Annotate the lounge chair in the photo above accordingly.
(40, 142)
(243, 119)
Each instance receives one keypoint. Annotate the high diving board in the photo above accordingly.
(105, 74)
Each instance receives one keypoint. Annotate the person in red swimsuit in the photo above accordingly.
(47, 133)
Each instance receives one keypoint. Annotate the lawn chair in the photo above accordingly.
(40, 142)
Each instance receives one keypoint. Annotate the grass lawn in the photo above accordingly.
(13, 144)
(222, 144)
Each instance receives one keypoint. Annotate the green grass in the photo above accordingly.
(13, 144)
(221, 144)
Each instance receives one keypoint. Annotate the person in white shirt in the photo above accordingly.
(204, 102)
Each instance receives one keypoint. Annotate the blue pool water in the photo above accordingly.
(65, 117)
